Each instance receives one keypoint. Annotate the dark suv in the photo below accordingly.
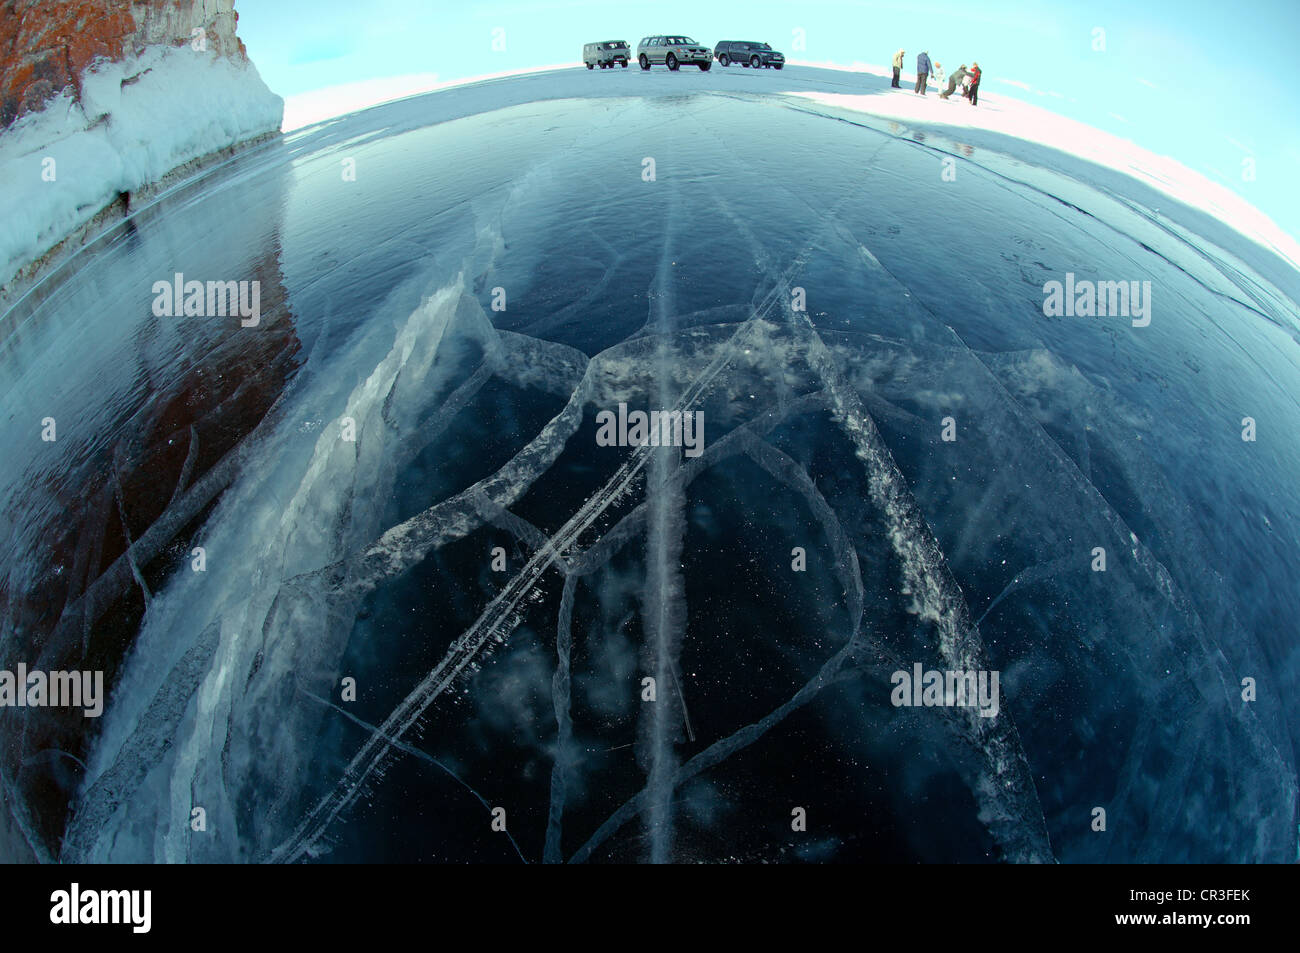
(747, 53)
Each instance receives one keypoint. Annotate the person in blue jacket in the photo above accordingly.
(922, 71)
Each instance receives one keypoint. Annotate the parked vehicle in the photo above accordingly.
(748, 53)
(606, 55)
(673, 52)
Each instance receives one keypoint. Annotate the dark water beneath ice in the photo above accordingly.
(476, 428)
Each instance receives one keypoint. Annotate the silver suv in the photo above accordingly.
(673, 51)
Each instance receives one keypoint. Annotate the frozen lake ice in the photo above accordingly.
(395, 478)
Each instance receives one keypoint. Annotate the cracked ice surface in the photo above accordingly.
(475, 428)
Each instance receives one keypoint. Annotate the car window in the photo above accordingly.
(764, 46)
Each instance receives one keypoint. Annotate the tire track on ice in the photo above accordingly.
(389, 556)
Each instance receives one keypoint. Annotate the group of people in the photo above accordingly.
(968, 78)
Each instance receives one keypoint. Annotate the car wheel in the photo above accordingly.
(589, 66)
(722, 60)
(671, 62)
(754, 62)
(645, 63)
(777, 65)
(704, 67)
(624, 62)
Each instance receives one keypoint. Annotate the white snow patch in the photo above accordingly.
(1032, 123)
(305, 109)
(334, 102)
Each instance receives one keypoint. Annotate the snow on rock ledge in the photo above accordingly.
(127, 124)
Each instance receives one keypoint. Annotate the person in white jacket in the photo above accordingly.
(938, 73)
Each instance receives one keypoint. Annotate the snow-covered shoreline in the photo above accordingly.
(164, 111)
(137, 120)
(1036, 124)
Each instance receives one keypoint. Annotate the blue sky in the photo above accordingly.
(1207, 83)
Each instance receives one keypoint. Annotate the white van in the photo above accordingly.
(606, 55)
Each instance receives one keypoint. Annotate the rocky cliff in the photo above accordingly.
(46, 45)
(104, 102)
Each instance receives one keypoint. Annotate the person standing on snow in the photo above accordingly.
(922, 71)
(957, 76)
(974, 94)
(938, 74)
(898, 65)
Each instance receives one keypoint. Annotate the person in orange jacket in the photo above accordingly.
(974, 93)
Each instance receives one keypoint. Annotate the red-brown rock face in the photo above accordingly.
(46, 44)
